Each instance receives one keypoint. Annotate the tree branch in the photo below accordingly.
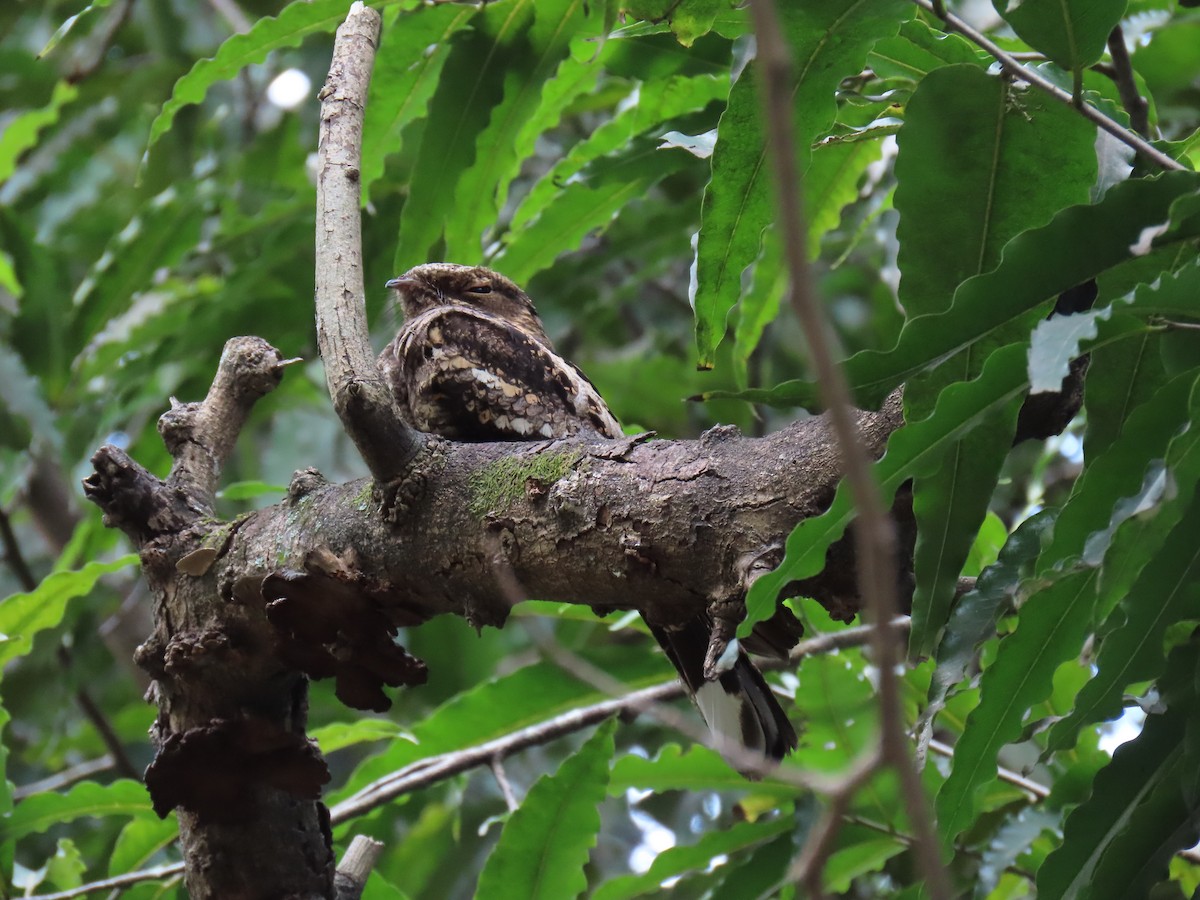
(360, 396)
(875, 535)
(1122, 75)
(1013, 67)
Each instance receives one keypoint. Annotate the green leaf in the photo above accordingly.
(139, 841)
(998, 590)
(36, 814)
(829, 40)
(23, 616)
(248, 490)
(471, 86)
(918, 50)
(1051, 627)
(69, 23)
(1073, 33)
(960, 408)
(1015, 160)
(532, 103)
(683, 859)
(295, 22)
(164, 230)
(412, 51)
(1077, 244)
(1118, 842)
(1167, 591)
(658, 102)
(22, 132)
(586, 206)
(694, 769)
(544, 845)
(339, 735)
(498, 707)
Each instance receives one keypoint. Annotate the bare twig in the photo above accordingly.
(352, 872)
(874, 530)
(173, 870)
(360, 396)
(1122, 75)
(64, 779)
(1014, 68)
(506, 791)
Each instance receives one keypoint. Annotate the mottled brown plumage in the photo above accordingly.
(473, 362)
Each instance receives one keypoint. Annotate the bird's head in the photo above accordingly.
(446, 284)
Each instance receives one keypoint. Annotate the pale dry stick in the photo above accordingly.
(350, 879)
(1014, 68)
(875, 542)
(363, 401)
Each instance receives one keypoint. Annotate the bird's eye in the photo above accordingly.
(482, 288)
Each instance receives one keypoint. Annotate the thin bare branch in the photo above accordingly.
(1014, 68)
(173, 870)
(506, 791)
(360, 396)
(1122, 75)
(64, 779)
(352, 872)
(874, 529)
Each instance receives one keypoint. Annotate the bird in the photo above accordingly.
(472, 362)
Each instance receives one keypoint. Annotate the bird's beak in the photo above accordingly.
(402, 282)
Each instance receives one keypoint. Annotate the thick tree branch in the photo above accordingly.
(1013, 67)
(360, 396)
(875, 533)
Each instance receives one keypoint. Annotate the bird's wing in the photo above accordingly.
(466, 374)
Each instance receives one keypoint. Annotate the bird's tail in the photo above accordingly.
(738, 706)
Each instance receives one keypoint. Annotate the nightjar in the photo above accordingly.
(472, 362)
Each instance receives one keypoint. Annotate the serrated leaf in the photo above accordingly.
(1015, 159)
(23, 616)
(22, 132)
(1077, 244)
(139, 841)
(680, 860)
(295, 22)
(470, 87)
(829, 40)
(532, 102)
(1166, 592)
(1051, 627)
(36, 814)
(960, 408)
(585, 207)
(545, 843)
(1118, 842)
(413, 50)
(917, 50)
(158, 236)
(1073, 33)
(658, 101)
(974, 619)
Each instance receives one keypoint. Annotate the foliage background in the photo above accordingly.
(154, 203)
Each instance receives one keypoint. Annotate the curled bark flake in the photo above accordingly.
(330, 622)
(215, 772)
